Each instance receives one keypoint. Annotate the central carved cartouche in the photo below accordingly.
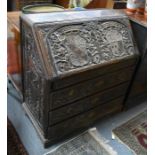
(77, 49)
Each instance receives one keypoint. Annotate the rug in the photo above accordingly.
(14, 145)
(134, 134)
(87, 143)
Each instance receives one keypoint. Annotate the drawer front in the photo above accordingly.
(84, 120)
(79, 91)
(87, 103)
(93, 73)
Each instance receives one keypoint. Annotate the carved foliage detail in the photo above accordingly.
(79, 45)
(33, 83)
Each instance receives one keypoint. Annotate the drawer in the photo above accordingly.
(81, 90)
(84, 120)
(93, 73)
(87, 103)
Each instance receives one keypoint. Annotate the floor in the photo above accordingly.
(32, 142)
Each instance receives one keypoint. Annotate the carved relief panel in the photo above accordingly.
(77, 46)
(33, 83)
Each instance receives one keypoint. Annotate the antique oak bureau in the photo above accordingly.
(77, 66)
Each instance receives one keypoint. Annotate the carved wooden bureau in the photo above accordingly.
(77, 66)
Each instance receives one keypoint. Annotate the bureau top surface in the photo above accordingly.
(76, 41)
(71, 15)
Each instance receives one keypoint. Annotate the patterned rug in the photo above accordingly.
(134, 134)
(88, 143)
(14, 145)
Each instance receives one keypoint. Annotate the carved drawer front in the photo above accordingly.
(71, 94)
(84, 120)
(87, 103)
(93, 73)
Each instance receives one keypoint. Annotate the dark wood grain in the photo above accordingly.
(93, 73)
(84, 120)
(84, 105)
(71, 94)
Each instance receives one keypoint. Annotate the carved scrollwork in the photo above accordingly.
(79, 45)
(33, 83)
(30, 48)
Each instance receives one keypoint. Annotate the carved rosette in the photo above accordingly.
(76, 46)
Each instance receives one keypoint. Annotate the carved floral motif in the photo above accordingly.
(33, 83)
(80, 45)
